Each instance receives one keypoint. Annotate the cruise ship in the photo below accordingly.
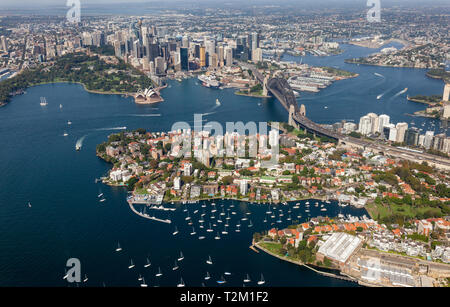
(209, 81)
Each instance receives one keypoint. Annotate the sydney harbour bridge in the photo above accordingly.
(280, 89)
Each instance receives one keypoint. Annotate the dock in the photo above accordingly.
(167, 221)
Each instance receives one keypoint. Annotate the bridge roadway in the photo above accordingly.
(281, 89)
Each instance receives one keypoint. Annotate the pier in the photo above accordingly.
(167, 221)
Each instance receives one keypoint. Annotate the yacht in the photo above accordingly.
(221, 281)
(193, 231)
(227, 273)
(175, 231)
(217, 237)
(140, 277)
(29, 205)
(159, 272)
(65, 274)
(147, 264)
(207, 276)
(209, 229)
(225, 232)
(131, 264)
(181, 257)
(118, 249)
(85, 278)
(65, 133)
(262, 281)
(181, 284)
(247, 279)
(100, 195)
(175, 267)
(69, 122)
(143, 285)
(201, 237)
(209, 261)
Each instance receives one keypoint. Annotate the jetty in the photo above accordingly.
(167, 221)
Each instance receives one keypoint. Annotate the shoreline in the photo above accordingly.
(306, 265)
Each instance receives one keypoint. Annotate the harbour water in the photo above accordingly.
(66, 220)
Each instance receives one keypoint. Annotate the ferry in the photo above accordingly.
(43, 102)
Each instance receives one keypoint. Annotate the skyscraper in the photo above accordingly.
(401, 130)
(365, 125)
(383, 120)
(412, 136)
(184, 58)
(202, 56)
(228, 56)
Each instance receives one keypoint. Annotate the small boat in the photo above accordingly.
(147, 264)
(379, 96)
(201, 237)
(65, 133)
(250, 224)
(175, 266)
(181, 284)
(221, 281)
(144, 285)
(209, 261)
(43, 102)
(131, 264)
(29, 205)
(218, 102)
(217, 237)
(140, 277)
(181, 257)
(69, 122)
(159, 272)
(225, 232)
(175, 231)
(247, 279)
(262, 281)
(100, 195)
(227, 273)
(118, 249)
(65, 274)
(85, 278)
(193, 231)
(207, 276)
(102, 200)
(60, 106)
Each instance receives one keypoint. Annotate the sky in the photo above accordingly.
(86, 3)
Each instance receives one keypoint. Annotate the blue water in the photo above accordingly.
(40, 165)
(352, 98)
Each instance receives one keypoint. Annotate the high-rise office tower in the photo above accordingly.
(412, 136)
(184, 58)
(228, 56)
(202, 56)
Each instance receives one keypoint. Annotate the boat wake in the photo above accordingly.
(145, 115)
(209, 113)
(378, 75)
(400, 93)
(113, 128)
(79, 143)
